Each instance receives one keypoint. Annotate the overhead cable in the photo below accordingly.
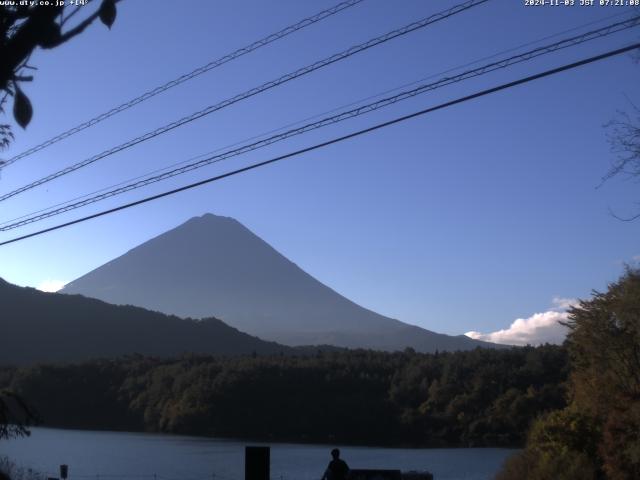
(317, 146)
(364, 109)
(187, 76)
(250, 93)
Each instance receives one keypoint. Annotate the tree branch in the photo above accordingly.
(79, 28)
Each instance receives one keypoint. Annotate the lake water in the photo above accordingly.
(137, 456)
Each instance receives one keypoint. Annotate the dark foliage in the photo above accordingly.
(15, 415)
(473, 398)
(598, 434)
(26, 26)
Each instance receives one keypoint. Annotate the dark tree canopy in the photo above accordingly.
(15, 415)
(23, 28)
(598, 434)
(473, 398)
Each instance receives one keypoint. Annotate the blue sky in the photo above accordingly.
(466, 219)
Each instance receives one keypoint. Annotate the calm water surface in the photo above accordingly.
(138, 456)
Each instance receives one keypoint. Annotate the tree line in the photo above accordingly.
(483, 397)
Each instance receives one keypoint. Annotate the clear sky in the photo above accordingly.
(465, 219)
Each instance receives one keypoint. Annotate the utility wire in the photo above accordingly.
(385, 102)
(254, 91)
(188, 76)
(313, 117)
(317, 146)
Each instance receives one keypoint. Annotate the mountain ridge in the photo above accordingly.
(39, 327)
(214, 266)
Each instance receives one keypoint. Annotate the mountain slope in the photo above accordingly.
(49, 327)
(213, 265)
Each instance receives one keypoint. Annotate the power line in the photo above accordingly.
(336, 109)
(254, 91)
(188, 76)
(382, 103)
(326, 112)
(317, 146)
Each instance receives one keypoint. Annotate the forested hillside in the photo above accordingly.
(50, 327)
(479, 397)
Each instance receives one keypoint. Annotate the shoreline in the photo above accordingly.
(279, 442)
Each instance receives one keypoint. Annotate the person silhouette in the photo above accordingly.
(337, 468)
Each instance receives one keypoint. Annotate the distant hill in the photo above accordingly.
(49, 327)
(213, 265)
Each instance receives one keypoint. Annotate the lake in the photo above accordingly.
(95, 455)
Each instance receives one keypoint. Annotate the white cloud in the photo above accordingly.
(51, 285)
(539, 328)
(563, 303)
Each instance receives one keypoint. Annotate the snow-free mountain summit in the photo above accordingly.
(214, 266)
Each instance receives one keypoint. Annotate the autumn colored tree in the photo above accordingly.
(598, 434)
(604, 342)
